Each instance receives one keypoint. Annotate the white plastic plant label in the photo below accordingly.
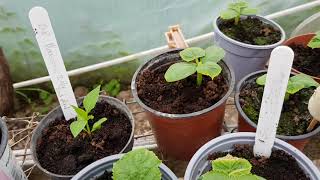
(49, 48)
(278, 75)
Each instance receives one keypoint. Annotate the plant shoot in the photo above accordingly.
(236, 10)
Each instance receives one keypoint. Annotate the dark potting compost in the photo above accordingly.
(59, 152)
(180, 97)
(105, 176)
(250, 30)
(280, 165)
(306, 59)
(295, 116)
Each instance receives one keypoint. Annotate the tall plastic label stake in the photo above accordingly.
(278, 75)
(49, 48)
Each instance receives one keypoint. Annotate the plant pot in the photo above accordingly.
(180, 135)
(303, 40)
(246, 125)
(199, 163)
(245, 58)
(97, 168)
(8, 168)
(56, 113)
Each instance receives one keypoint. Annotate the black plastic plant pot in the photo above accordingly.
(8, 168)
(97, 168)
(57, 112)
(200, 164)
(245, 124)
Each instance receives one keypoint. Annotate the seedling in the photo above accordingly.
(230, 168)
(204, 62)
(295, 83)
(315, 41)
(83, 117)
(112, 87)
(236, 10)
(137, 164)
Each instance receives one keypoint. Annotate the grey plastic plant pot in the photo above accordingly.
(245, 58)
(97, 168)
(181, 135)
(9, 170)
(57, 113)
(246, 125)
(199, 163)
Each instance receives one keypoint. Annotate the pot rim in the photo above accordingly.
(111, 158)
(252, 124)
(34, 140)
(228, 70)
(265, 20)
(287, 44)
(4, 136)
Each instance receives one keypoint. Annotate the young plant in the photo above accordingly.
(138, 164)
(112, 87)
(196, 60)
(83, 117)
(295, 83)
(315, 41)
(230, 168)
(235, 10)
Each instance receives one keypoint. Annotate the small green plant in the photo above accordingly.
(113, 87)
(139, 164)
(235, 10)
(315, 41)
(83, 117)
(230, 168)
(295, 83)
(204, 62)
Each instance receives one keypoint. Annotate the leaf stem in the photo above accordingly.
(199, 79)
(236, 20)
(88, 129)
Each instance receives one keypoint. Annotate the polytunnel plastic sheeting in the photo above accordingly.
(94, 31)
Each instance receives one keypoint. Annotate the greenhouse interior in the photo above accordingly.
(160, 90)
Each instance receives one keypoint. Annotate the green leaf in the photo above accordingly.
(213, 54)
(76, 127)
(261, 80)
(228, 14)
(315, 41)
(97, 125)
(238, 6)
(180, 71)
(232, 165)
(81, 114)
(192, 53)
(139, 164)
(91, 99)
(43, 95)
(112, 88)
(294, 87)
(304, 79)
(209, 69)
(211, 175)
(249, 11)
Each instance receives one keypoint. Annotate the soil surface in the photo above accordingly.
(280, 165)
(250, 31)
(306, 59)
(295, 116)
(60, 153)
(105, 176)
(180, 97)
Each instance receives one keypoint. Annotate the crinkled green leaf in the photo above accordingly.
(294, 87)
(315, 41)
(238, 6)
(180, 71)
(304, 79)
(97, 125)
(139, 164)
(228, 14)
(249, 11)
(192, 53)
(232, 165)
(211, 175)
(211, 69)
(262, 80)
(76, 127)
(213, 54)
(91, 99)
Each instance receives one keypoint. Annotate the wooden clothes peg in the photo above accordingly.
(175, 38)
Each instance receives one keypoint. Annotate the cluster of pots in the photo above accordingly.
(196, 135)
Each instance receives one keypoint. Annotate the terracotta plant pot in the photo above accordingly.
(199, 163)
(57, 113)
(245, 58)
(303, 40)
(246, 125)
(180, 135)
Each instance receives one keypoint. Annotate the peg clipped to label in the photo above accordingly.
(175, 38)
(49, 48)
(278, 75)
(314, 109)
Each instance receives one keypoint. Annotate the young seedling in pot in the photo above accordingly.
(196, 60)
(295, 83)
(236, 10)
(315, 41)
(83, 116)
(230, 168)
